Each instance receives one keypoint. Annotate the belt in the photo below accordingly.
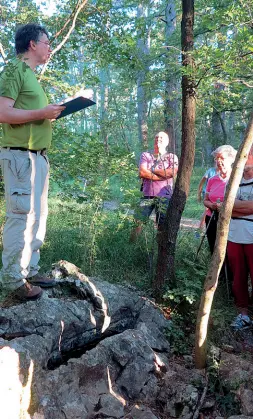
(43, 152)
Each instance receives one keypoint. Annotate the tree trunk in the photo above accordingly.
(142, 53)
(170, 81)
(104, 107)
(219, 132)
(168, 235)
(211, 281)
(223, 127)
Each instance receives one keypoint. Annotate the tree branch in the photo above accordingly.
(2, 52)
(64, 27)
(246, 53)
(65, 39)
(236, 109)
(244, 83)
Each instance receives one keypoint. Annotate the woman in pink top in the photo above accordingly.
(224, 157)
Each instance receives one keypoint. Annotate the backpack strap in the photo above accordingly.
(241, 218)
(245, 184)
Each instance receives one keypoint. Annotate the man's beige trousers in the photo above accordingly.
(26, 176)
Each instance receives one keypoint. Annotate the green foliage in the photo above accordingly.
(226, 400)
(190, 272)
(194, 209)
(82, 159)
(180, 334)
(97, 241)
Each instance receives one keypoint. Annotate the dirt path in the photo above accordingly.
(186, 223)
(189, 223)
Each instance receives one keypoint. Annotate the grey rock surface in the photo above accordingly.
(240, 417)
(86, 349)
(246, 397)
(237, 373)
(89, 349)
(140, 412)
(79, 313)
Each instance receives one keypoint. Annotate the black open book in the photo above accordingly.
(75, 105)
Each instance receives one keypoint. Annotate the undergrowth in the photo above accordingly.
(97, 241)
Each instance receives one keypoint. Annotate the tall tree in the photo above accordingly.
(167, 237)
(104, 79)
(143, 45)
(170, 80)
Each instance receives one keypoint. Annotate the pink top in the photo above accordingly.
(158, 187)
(216, 190)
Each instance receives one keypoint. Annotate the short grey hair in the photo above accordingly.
(225, 149)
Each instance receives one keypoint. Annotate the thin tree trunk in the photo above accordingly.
(219, 133)
(168, 235)
(122, 128)
(142, 53)
(170, 81)
(221, 116)
(104, 107)
(211, 281)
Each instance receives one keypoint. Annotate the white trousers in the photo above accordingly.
(26, 177)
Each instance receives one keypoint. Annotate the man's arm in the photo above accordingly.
(242, 208)
(171, 170)
(145, 173)
(166, 173)
(11, 115)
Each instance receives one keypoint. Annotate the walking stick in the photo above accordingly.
(212, 216)
(204, 235)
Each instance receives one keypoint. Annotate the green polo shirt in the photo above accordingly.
(18, 82)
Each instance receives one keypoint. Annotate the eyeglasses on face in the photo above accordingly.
(46, 43)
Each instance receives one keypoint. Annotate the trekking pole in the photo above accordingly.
(212, 216)
(204, 235)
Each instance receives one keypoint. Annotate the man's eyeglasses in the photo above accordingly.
(46, 43)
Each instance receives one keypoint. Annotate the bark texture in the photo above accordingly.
(170, 81)
(143, 44)
(167, 237)
(104, 107)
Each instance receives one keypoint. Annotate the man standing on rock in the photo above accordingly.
(156, 170)
(27, 132)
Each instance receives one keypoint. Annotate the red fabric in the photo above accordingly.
(241, 264)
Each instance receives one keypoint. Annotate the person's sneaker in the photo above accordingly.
(242, 321)
(42, 281)
(27, 292)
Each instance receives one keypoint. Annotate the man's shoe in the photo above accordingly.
(27, 292)
(42, 281)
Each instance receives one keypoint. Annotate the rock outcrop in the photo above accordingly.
(86, 349)
(89, 349)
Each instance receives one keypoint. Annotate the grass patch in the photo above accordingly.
(98, 242)
(193, 208)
